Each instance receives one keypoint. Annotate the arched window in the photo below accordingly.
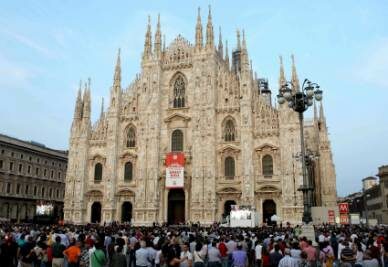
(131, 137)
(229, 168)
(267, 164)
(179, 92)
(98, 172)
(128, 171)
(177, 141)
(229, 131)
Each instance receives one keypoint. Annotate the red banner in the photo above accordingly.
(175, 159)
(175, 162)
(331, 216)
(344, 219)
(343, 208)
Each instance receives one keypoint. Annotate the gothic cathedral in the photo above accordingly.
(238, 148)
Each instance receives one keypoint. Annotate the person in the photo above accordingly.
(265, 262)
(239, 256)
(258, 254)
(369, 261)
(27, 253)
(287, 260)
(275, 256)
(295, 252)
(347, 255)
(118, 259)
(97, 257)
(186, 257)
(58, 248)
(224, 252)
(303, 260)
(8, 252)
(73, 253)
(198, 257)
(359, 255)
(214, 255)
(158, 255)
(311, 253)
(328, 252)
(142, 255)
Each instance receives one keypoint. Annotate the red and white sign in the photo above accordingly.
(343, 208)
(175, 162)
(344, 219)
(331, 216)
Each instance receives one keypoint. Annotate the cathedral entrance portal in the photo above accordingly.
(176, 206)
(228, 207)
(269, 209)
(96, 212)
(126, 212)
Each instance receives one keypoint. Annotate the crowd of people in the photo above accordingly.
(122, 245)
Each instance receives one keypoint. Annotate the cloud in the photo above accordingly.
(372, 67)
(14, 75)
(26, 41)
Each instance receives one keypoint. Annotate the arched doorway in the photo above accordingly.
(269, 209)
(126, 212)
(228, 207)
(96, 212)
(176, 206)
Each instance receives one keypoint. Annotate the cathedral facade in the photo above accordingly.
(238, 148)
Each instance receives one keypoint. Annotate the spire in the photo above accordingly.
(282, 77)
(244, 43)
(198, 32)
(220, 45)
(148, 41)
(158, 39)
(117, 75)
(244, 55)
(238, 40)
(294, 77)
(321, 113)
(209, 30)
(226, 53)
(102, 107)
(86, 100)
(78, 103)
(164, 42)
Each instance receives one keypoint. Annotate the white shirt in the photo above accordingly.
(340, 248)
(287, 261)
(157, 256)
(258, 250)
(189, 256)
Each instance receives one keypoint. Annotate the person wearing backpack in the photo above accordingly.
(97, 257)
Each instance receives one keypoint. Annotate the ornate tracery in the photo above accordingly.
(179, 92)
(131, 137)
(229, 131)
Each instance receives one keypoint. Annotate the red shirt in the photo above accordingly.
(311, 253)
(265, 260)
(222, 248)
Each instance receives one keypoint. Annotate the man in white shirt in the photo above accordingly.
(258, 249)
(142, 255)
(186, 257)
(287, 260)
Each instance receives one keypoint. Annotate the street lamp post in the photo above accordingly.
(300, 101)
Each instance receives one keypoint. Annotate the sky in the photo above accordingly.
(46, 47)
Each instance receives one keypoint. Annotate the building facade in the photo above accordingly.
(30, 173)
(191, 98)
(376, 198)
